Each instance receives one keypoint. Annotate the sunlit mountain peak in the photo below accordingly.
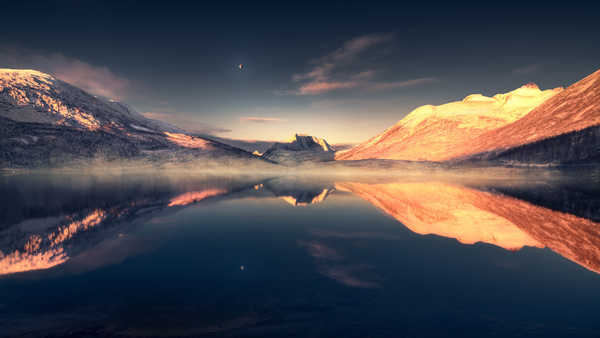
(433, 133)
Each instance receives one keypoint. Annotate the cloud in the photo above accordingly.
(313, 88)
(186, 123)
(400, 84)
(98, 80)
(347, 53)
(256, 119)
(527, 69)
(341, 70)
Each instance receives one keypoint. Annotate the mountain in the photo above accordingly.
(48, 122)
(300, 148)
(563, 129)
(32, 96)
(525, 126)
(437, 133)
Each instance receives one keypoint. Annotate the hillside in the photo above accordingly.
(437, 133)
(564, 128)
(48, 122)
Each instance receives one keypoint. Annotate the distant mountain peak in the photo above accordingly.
(300, 148)
(304, 142)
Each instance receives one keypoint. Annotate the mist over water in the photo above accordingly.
(316, 251)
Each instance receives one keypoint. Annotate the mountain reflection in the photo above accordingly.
(51, 238)
(299, 192)
(472, 216)
(39, 238)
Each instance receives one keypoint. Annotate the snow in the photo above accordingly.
(432, 133)
(509, 107)
(303, 141)
(33, 96)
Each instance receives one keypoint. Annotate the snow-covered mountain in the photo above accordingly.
(300, 148)
(564, 129)
(32, 96)
(46, 121)
(525, 126)
(437, 133)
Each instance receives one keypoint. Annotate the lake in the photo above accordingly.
(186, 255)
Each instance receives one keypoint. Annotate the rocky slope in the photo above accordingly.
(525, 126)
(437, 133)
(300, 148)
(48, 122)
(563, 129)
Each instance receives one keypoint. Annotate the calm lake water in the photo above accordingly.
(136, 255)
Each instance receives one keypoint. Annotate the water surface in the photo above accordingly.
(195, 255)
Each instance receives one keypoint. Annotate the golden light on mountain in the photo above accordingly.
(437, 133)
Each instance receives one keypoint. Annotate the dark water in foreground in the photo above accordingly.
(145, 256)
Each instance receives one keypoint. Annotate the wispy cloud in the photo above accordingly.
(320, 87)
(400, 84)
(527, 69)
(341, 70)
(185, 122)
(256, 119)
(98, 80)
(324, 66)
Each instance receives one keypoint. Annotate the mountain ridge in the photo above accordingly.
(430, 133)
(570, 112)
(48, 122)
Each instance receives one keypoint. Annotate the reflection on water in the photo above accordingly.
(437, 208)
(473, 216)
(54, 226)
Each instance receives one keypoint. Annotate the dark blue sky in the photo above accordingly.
(341, 70)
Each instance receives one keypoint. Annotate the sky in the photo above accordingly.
(342, 70)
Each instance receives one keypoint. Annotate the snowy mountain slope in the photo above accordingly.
(32, 96)
(565, 128)
(47, 121)
(436, 133)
